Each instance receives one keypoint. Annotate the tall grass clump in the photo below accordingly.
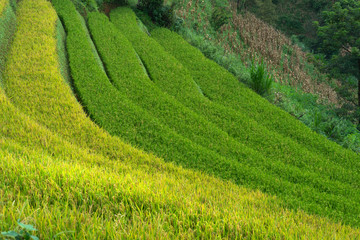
(261, 81)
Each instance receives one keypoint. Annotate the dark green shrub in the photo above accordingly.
(159, 12)
(261, 81)
(219, 17)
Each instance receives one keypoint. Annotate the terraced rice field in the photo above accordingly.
(108, 133)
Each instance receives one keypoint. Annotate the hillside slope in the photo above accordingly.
(70, 178)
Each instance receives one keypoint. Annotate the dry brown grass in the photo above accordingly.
(250, 38)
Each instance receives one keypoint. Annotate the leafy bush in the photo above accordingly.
(159, 12)
(261, 81)
(23, 234)
(219, 17)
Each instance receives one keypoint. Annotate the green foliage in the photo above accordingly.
(339, 41)
(261, 81)
(129, 78)
(266, 10)
(341, 28)
(220, 16)
(291, 17)
(23, 234)
(321, 118)
(160, 13)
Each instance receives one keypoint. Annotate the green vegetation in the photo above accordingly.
(119, 116)
(115, 201)
(62, 175)
(294, 18)
(133, 83)
(253, 134)
(65, 191)
(260, 80)
(24, 233)
(339, 35)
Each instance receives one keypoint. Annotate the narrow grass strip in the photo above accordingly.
(85, 201)
(221, 86)
(62, 53)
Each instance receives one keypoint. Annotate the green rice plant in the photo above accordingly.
(43, 79)
(223, 87)
(261, 81)
(69, 199)
(289, 160)
(62, 54)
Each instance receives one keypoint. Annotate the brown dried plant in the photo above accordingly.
(252, 39)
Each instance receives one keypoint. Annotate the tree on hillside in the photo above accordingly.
(339, 34)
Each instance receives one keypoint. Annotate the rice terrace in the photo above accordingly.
(175, 119)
